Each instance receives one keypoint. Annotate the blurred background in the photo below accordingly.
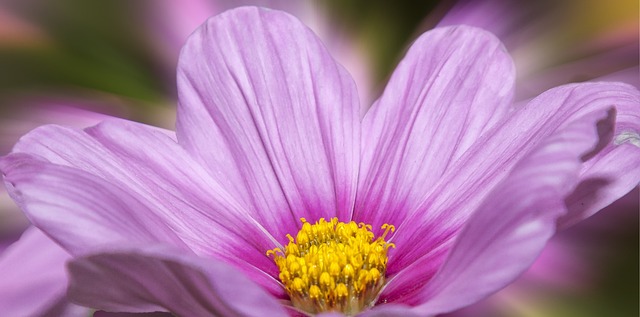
(73, 62)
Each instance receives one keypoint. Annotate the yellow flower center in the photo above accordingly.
(333, 266)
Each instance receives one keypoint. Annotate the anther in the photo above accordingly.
(387, 227)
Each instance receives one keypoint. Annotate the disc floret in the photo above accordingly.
(333, 266)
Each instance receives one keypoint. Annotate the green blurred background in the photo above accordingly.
(118, 57)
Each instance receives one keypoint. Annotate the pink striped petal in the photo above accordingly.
(510, 228)
(454, 84)
(447, 205)
(517, 217)
(77, 209)
(149, 180)
(268, 111)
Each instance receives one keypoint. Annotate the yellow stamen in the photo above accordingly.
(387, 227)
(333, 266)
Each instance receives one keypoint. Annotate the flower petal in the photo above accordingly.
(149, 166)
(266, 108)
(447, 206)
(614, 170)
(79, 210)
(452, 86)
(153, 279)
(509, 229)
(34, 280)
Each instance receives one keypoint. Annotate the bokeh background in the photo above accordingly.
(73, 62)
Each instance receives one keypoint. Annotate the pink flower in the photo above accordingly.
(268, 132)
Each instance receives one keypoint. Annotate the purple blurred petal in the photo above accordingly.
(630, 76)
(508, 231)
(153, 279)
(33, 279)
(500, 17)
(13, 221)
(527, 29)
(613, 52)
(454, 84)
(266, 108)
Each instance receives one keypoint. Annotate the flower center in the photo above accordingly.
(333, 266)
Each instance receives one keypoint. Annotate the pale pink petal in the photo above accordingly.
(447, 205)
(150, 166)
(33, 279)
(154, 279)
(266, 109)
(77, 209)
(454, 84)
(513, 223)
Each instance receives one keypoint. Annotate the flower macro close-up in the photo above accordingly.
(280, 194)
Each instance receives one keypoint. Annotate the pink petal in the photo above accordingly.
(34, 280)
(511, 226)
(452, 86)
(148, 280)
(615, 170)
(147, 165)
(268, 111)
(447, 205)
(77, 209)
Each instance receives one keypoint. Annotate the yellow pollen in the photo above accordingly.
(333, 266)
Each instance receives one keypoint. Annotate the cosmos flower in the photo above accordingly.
(273, 196)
